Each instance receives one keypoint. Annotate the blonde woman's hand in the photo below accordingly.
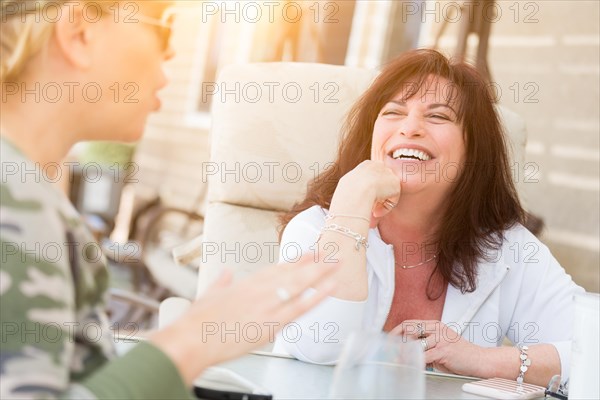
(371, 189)
(232, 319)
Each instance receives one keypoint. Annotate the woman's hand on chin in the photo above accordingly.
(369, 187)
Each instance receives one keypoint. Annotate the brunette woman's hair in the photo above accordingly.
(483, 201)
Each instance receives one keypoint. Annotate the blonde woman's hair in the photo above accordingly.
(24, 31)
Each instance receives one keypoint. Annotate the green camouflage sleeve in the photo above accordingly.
(45, 355)
(55, 338)
(47, 338)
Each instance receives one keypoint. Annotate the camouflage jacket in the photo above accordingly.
(56, 341)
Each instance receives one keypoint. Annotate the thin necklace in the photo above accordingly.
(416, 265)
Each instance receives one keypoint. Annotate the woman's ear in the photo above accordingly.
(74, 34)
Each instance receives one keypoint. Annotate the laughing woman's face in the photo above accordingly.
(421, 138)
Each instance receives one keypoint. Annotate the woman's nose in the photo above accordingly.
(164, 80)
(169, 53)
(411, 125)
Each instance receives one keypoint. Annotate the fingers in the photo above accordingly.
(443, 347)
(275, 286)
(308, 284)
(373, 222)
(223, 280)
(285, 292)
(418, 328)
(437, 358)
(291, 310)
(389, 204)
(432, 356)
(297, 277)
(382, 208)
(385, 182)
(274, 294)
(397, 331)
(427, 343)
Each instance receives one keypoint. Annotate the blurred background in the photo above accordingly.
(543, 58)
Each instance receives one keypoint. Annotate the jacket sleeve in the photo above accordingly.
(544, 306)
(144, 372)
(38, 350)
(319, 335)
(56, 341)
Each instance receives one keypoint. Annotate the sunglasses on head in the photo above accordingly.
(163, 26)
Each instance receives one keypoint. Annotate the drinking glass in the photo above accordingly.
(375, 365)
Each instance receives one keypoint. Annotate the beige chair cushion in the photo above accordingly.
(279, 142)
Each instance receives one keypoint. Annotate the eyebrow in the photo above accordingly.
(429, 107)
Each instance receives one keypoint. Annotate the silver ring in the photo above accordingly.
(421, 329)
(283, 294)
(388, 204)
(424, 344)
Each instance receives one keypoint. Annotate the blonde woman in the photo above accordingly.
(55, 340)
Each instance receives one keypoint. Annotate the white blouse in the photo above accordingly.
(522, 293)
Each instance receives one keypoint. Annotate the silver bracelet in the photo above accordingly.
(525, 363)
(331, 216)
(360, 239)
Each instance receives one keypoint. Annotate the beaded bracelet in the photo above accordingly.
(360, 239)
(525, 363)
(331, 216)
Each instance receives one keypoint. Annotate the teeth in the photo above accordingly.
(421, 155)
